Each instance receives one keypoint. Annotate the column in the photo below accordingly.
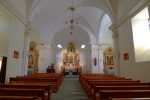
(25, 51)
(100, 58)
(83, 60)
(52, 55)
(116, 47)
(94, 58)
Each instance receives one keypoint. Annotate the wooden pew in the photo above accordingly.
(18, 98)
(29, 86)
(85, 80)
(130, 98)
(92, 82)
(58, 76)
(109, 94)
(119, 83)
(95, 91)
(46, 81)
(22, 92)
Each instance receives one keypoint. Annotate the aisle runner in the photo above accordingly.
(70, 90)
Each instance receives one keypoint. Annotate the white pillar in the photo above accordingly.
(101, 57)
(83, 60)
(25, 52)
(94, 58)
(52, 55)
(116, 47)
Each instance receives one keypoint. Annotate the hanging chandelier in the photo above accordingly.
(72, 21)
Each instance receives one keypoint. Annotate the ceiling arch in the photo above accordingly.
(58, 38)
(38, 5)
(79, 27)
(48, 17)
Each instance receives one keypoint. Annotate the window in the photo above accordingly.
(82, 46)
(1, 58)
(59, 46)
(141, 35)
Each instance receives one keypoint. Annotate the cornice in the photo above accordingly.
(13, 11)
(140, 5)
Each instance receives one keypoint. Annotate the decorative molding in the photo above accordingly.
(124, 18)
(13, 11)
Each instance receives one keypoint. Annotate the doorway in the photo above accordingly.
(3, 65)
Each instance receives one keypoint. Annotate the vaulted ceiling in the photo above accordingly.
(49, 17)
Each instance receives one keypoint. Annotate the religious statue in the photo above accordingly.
(95, 61)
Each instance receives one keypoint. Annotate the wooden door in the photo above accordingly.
(3, 70)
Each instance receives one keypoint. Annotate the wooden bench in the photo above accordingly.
(23, 92)
(59, 77)
(86, 80)
(18, 98)
(130, 98)
(92, 82)
(95, 91)
(29, 86)
(113, 84)
(109, 94)
(52, 82)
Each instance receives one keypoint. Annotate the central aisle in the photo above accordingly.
(70, 90)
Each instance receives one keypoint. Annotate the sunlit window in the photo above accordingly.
(59, 46)
(141, 35)
(0, 62)
(82, 46)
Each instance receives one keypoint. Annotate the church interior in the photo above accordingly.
(74, 49)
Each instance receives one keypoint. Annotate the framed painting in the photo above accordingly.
(16, 54)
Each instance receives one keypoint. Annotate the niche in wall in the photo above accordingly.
(33, 58)
(109, 58)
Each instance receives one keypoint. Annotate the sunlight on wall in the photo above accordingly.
(141, 35)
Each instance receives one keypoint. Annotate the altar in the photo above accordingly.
(71, 71)
(71, 60)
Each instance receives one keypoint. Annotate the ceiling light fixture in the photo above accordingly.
(71, 22)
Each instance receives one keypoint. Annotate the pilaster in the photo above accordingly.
(115, 37)
(96, 59)
(26, 50)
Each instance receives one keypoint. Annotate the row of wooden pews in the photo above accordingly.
(18, 98)
(107, 87)
(31, 87)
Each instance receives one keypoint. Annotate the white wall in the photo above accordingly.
(125, 6)
(12, 39)
(130, 68)
(14, 66)
(4, 31)
(44, 59)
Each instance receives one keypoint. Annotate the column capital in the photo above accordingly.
(94, 47)
(114, 30)
(115, 35)
(26, 32)
(27, 29)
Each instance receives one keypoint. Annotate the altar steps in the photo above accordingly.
(71, 76)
